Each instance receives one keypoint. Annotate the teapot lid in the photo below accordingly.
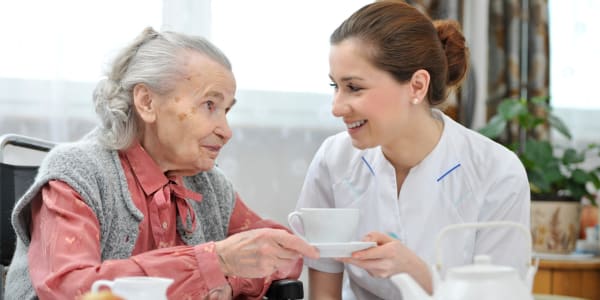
(482, 268)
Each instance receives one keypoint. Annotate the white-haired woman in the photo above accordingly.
(141, 195)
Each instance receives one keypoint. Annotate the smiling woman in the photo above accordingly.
(409, 168)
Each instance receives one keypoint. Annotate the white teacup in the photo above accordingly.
(136, 287)
(326, 225)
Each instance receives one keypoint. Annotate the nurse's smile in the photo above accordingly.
(355, 126)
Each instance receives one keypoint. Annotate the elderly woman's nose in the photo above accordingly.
(224, 131)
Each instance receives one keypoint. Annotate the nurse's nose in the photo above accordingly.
(339, 108)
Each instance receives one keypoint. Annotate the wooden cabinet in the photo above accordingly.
(579, 278)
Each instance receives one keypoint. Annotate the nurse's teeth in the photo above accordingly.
(356, 124)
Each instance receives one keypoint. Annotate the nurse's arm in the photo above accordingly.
(325, 286)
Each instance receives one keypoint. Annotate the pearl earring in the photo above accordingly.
(415, 101)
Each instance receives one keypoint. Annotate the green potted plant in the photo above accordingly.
(558, 176)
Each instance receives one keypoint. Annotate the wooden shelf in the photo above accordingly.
(578, 278)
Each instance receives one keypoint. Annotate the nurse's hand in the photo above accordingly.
(390, 257)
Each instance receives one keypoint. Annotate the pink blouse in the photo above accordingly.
(64, 254)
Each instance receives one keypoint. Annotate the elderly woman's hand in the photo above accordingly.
(261, 252)
(222, 293)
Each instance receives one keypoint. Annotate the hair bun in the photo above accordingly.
(457, 52)
(111, 105)
(106, 88)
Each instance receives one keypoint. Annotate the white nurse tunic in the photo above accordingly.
(466, 178)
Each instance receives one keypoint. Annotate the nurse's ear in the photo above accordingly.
(419, 85)
(143, 103)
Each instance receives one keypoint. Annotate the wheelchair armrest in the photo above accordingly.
(285, 289)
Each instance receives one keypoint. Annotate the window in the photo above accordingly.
(68, 40)
(51, 60)
(279, 51)
(279, 45)
(52, 55)
(574, 49)
(574, 26)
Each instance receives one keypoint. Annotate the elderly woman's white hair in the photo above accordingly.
(154, 59)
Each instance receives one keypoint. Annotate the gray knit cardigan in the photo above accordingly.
(96, 174)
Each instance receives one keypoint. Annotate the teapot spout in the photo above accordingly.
(409, 288)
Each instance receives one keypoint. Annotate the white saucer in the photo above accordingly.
(341, 249)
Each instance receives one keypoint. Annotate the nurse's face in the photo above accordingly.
(373, 105)
(185, 129)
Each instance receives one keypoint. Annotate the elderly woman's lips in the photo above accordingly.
(213, 148)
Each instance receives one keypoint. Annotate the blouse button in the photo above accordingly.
(165, 226)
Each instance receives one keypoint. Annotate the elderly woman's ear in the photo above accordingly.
(143, 102)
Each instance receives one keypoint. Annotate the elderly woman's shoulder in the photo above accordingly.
(78, 154)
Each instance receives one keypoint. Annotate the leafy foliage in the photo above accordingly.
(552, 171)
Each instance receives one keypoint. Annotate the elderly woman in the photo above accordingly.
(140, 195)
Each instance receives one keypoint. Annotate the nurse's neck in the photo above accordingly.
(413, 146)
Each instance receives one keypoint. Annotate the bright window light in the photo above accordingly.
(279, 45)
(574, 49)
(69, 39)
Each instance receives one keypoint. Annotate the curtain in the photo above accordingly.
(518, 51)
(440, 9)
(461, 104)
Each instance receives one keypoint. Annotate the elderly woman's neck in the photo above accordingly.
(152, 148)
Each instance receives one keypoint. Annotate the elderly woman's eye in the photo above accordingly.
(210, 105)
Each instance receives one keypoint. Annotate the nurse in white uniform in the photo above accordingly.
(410, 169)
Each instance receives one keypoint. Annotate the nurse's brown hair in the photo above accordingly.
(399, 39)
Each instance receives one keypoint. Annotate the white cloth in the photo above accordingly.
(466, 178)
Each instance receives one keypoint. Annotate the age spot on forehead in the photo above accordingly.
(182, 116)
(191, 77)
(177, 99)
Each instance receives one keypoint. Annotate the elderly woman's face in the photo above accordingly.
(187, 127)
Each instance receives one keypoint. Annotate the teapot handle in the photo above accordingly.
(453, 227)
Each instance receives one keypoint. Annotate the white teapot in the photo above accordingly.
(481, 280)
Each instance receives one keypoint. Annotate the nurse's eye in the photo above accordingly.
(334, 85)
(354, 88)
